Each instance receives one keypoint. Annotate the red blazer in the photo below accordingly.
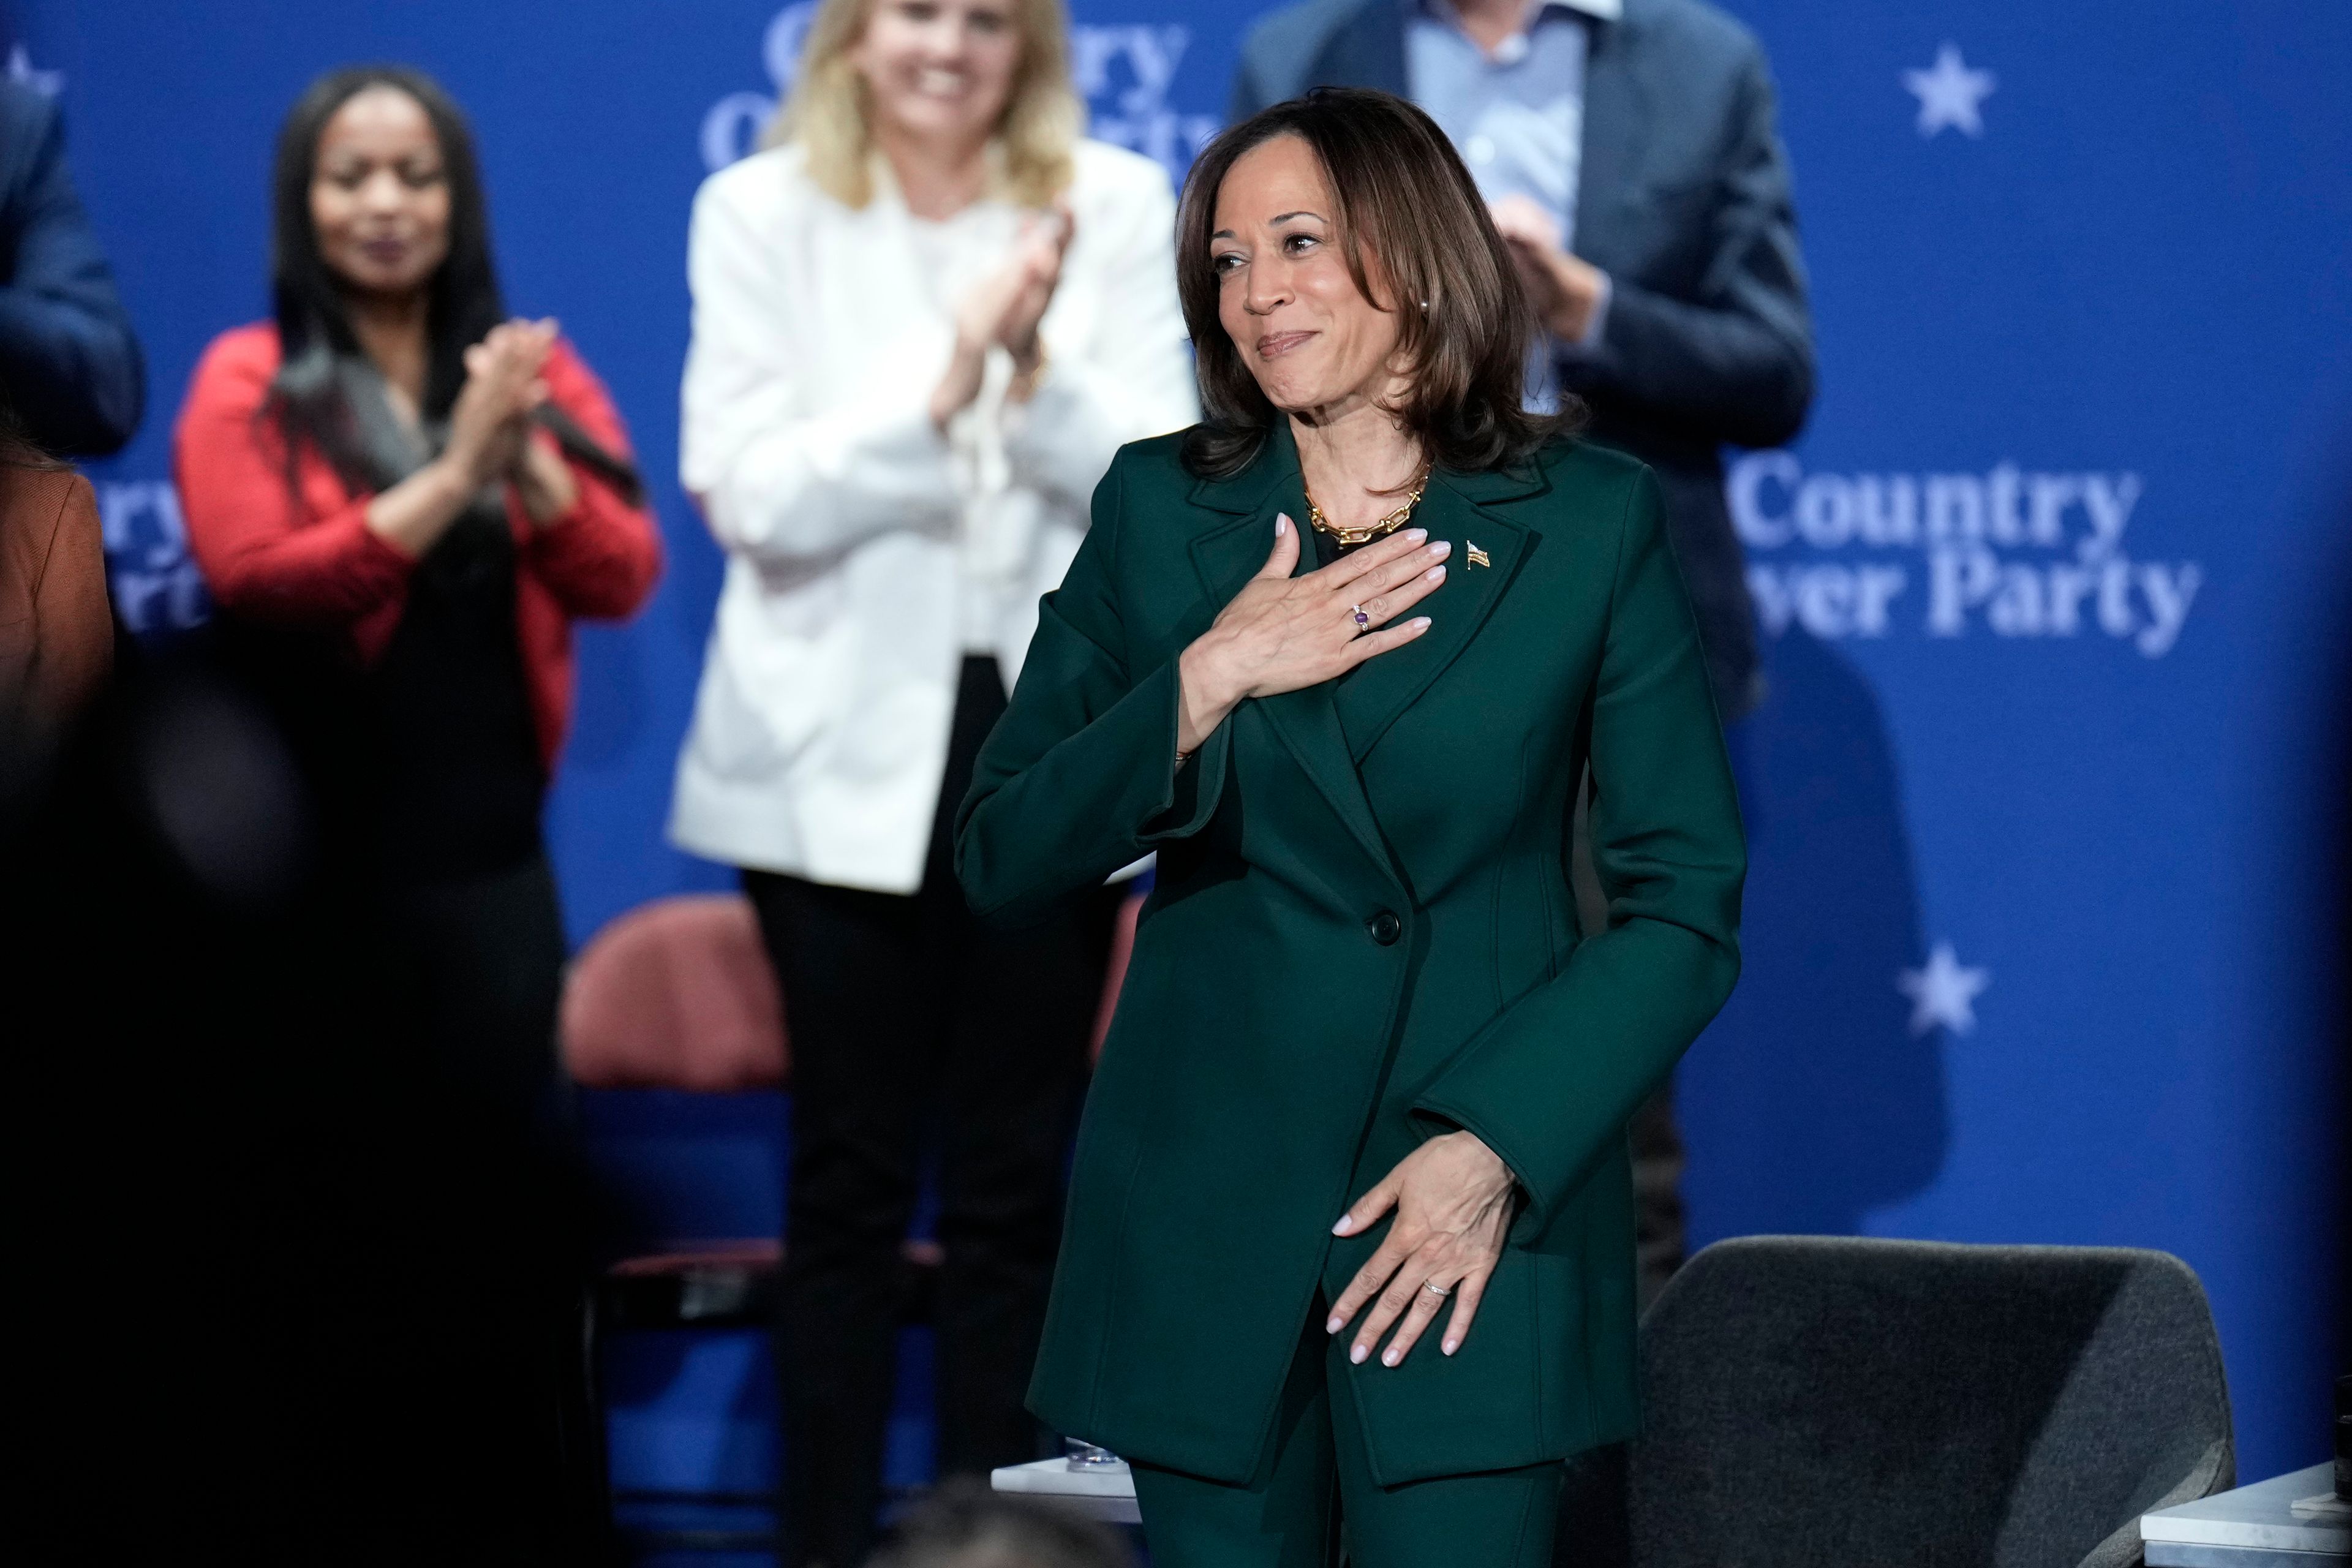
(307, 554)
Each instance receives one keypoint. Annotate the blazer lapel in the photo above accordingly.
(1487, 549)
(1613, 109)
(1225, 557)
(1368, 52)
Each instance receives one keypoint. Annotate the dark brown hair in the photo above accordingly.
(1401, 192)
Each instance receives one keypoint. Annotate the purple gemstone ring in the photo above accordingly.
(1362, 620)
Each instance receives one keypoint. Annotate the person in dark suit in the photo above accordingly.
(1629, 151)
(67, 350)
(1350, 1227)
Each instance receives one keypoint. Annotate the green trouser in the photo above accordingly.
(1314, 1492)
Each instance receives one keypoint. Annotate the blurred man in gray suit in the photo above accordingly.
(1628, 152)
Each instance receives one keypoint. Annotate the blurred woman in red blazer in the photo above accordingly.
(400, 501)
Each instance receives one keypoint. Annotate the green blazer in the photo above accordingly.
(1363, 935)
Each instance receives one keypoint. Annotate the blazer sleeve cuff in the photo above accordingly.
(1445, 1109)
(382, 563)
(1436, 1114)
(336, 570)
(1194, 789)
(1113, 790)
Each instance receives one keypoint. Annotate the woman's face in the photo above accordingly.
(1284, 292)
(939, 71)
(380, 194)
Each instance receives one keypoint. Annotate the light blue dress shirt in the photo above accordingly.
(1515, 116)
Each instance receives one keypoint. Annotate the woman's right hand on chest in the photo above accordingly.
(1281, 633)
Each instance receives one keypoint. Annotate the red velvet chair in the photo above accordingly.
(679, 993)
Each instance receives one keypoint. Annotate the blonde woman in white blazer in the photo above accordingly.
(924, 320)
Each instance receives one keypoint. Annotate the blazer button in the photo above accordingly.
(1385, 928)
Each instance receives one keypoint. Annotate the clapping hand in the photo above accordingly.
(507, 367)
(490, 441)
(489, 421)
(1564, 290)
(1003, 311)
(1036, 271)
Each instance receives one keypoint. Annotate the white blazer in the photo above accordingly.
(867, 554)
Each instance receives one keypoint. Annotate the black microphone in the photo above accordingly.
(589, 453)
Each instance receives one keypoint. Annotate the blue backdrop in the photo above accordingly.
(2041, 923)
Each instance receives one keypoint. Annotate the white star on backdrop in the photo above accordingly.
(1950, 93)
(1944, 993)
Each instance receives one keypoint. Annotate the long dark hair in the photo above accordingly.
(311, 396)
(1402, 192)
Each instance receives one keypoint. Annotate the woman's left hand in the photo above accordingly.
(529, 457)
(543, 480)
(1003, 311)
(1045, 244)
(1452, 1201)
(1564, 288)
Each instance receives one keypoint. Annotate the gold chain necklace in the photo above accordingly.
(1350, 538)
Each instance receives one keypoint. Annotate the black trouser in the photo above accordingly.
(483, 959)
(478, 965)
(913, 1026)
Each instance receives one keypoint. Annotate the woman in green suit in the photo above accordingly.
(1359, 993)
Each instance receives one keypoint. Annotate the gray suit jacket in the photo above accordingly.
(1683, 200)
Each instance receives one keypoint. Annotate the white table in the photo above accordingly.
(2253, 1527)
(1099, 1491)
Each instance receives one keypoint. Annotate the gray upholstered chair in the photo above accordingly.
(1818, 1400)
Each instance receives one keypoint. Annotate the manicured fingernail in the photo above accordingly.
(1452, 1345)
(1390, 1356)
(1441, 549)
(1341, 1228)
(1334, 1326)
(1416, 534)
(1437, 574)
(1356, 1356)
(1420, 623)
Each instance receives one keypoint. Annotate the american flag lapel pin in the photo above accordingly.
(1477, 557)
